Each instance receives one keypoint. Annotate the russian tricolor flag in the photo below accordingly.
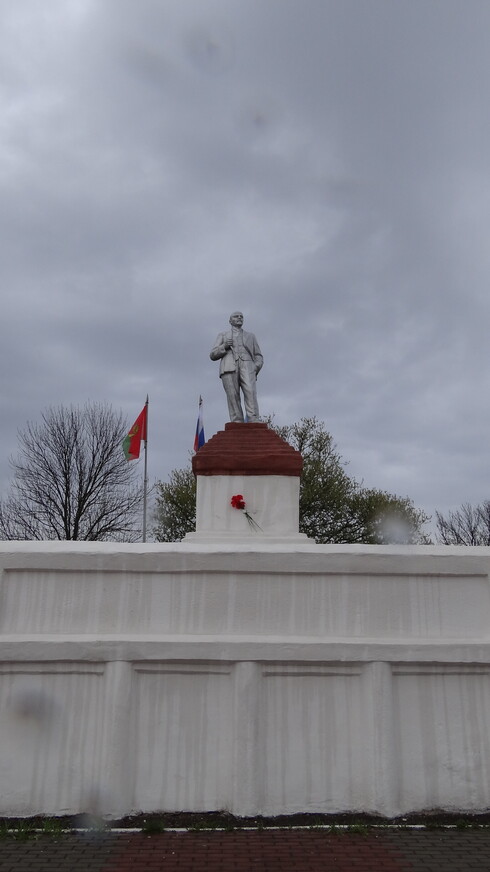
(199, 439)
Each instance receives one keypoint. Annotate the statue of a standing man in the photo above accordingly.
(241, 360)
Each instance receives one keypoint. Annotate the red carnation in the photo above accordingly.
(238, 502)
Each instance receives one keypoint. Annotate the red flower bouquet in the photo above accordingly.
(238, 502)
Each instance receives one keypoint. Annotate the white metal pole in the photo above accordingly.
(145, 474)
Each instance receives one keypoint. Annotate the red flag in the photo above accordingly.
(132, 442)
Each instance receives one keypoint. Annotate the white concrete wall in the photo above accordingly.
(256, 678)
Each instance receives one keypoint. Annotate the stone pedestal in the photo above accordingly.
(253, 461)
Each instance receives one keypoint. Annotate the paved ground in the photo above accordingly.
(267, 851)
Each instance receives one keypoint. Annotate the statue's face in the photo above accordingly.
(236, 319)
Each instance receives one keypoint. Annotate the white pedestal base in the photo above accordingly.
(271, 500)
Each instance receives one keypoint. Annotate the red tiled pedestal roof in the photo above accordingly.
(247, 449)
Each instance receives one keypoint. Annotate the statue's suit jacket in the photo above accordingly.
(219, 352)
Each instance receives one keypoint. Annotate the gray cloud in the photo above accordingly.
(323, 167)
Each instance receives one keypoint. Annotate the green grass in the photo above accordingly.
(152, 826)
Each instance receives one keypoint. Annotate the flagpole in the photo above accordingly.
(145, 474)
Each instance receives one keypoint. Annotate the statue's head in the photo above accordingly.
(236, 319)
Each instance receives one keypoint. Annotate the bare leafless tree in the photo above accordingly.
(71, 479)
(468, 525)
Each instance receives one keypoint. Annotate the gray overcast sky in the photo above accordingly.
(322, 165)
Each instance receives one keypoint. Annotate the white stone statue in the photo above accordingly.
(241, 360)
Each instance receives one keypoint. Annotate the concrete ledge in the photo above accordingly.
(95, 648)
(317, 591)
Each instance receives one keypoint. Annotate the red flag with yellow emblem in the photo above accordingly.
(132, 442)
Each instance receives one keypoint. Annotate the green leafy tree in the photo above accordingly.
(468, 525)
(325, 487)
(384, 519)
(333, 507)
(175, 506)
(71, 479)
